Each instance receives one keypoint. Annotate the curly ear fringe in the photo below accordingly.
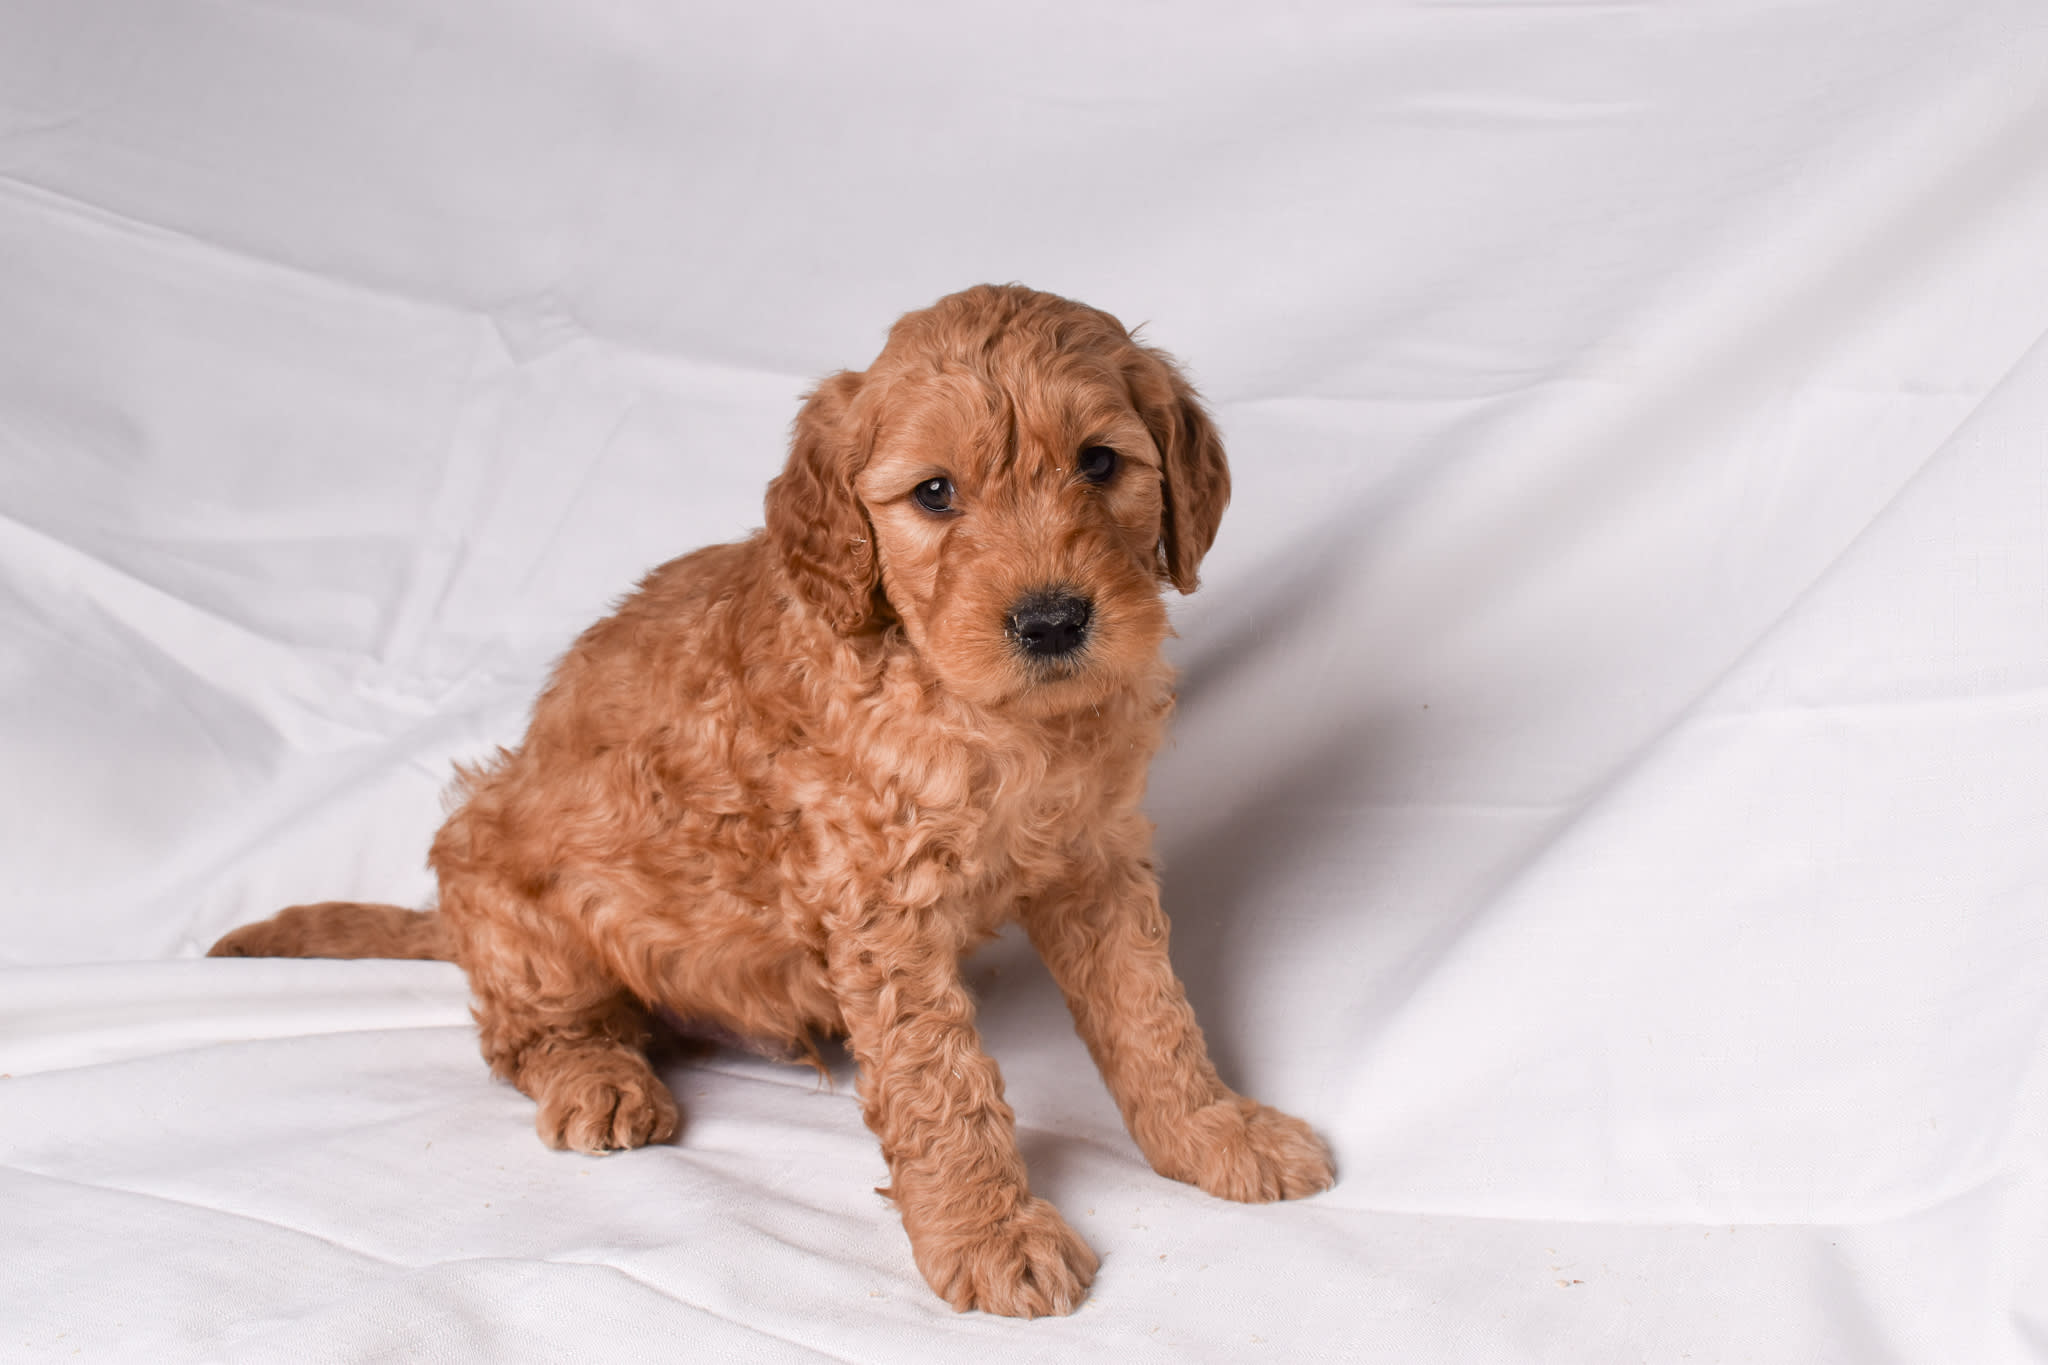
(815, 522)
(1197, 474)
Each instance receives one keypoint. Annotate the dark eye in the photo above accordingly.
(1097, 464)
(934, 495)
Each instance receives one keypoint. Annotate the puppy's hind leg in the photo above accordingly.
(553, 1022)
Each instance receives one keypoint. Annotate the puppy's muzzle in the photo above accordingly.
(1051, 624)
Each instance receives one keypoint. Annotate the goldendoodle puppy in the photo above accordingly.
(791, 780)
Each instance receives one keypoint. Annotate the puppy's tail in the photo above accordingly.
(341, 929)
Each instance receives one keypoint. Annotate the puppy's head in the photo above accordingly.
(1013, 480)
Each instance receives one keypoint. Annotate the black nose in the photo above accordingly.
(1049, 624)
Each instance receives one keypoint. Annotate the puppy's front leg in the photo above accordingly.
(935, 1099)
(1103, 935)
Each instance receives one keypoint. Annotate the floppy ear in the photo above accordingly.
(1197, 475)
(816, 525)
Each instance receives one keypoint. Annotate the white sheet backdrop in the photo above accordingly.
(1611, 789)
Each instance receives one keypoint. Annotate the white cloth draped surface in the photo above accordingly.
(1610, 790)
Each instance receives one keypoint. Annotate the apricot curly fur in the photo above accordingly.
(791, 780)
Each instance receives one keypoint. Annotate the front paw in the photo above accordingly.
(1027, 1265)
(1239, 1149)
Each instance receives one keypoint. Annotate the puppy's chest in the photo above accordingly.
(992, 816)
(897, 799)
(1023, 828)
(1022, 813)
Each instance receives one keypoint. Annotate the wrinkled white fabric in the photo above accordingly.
(1610, 792)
